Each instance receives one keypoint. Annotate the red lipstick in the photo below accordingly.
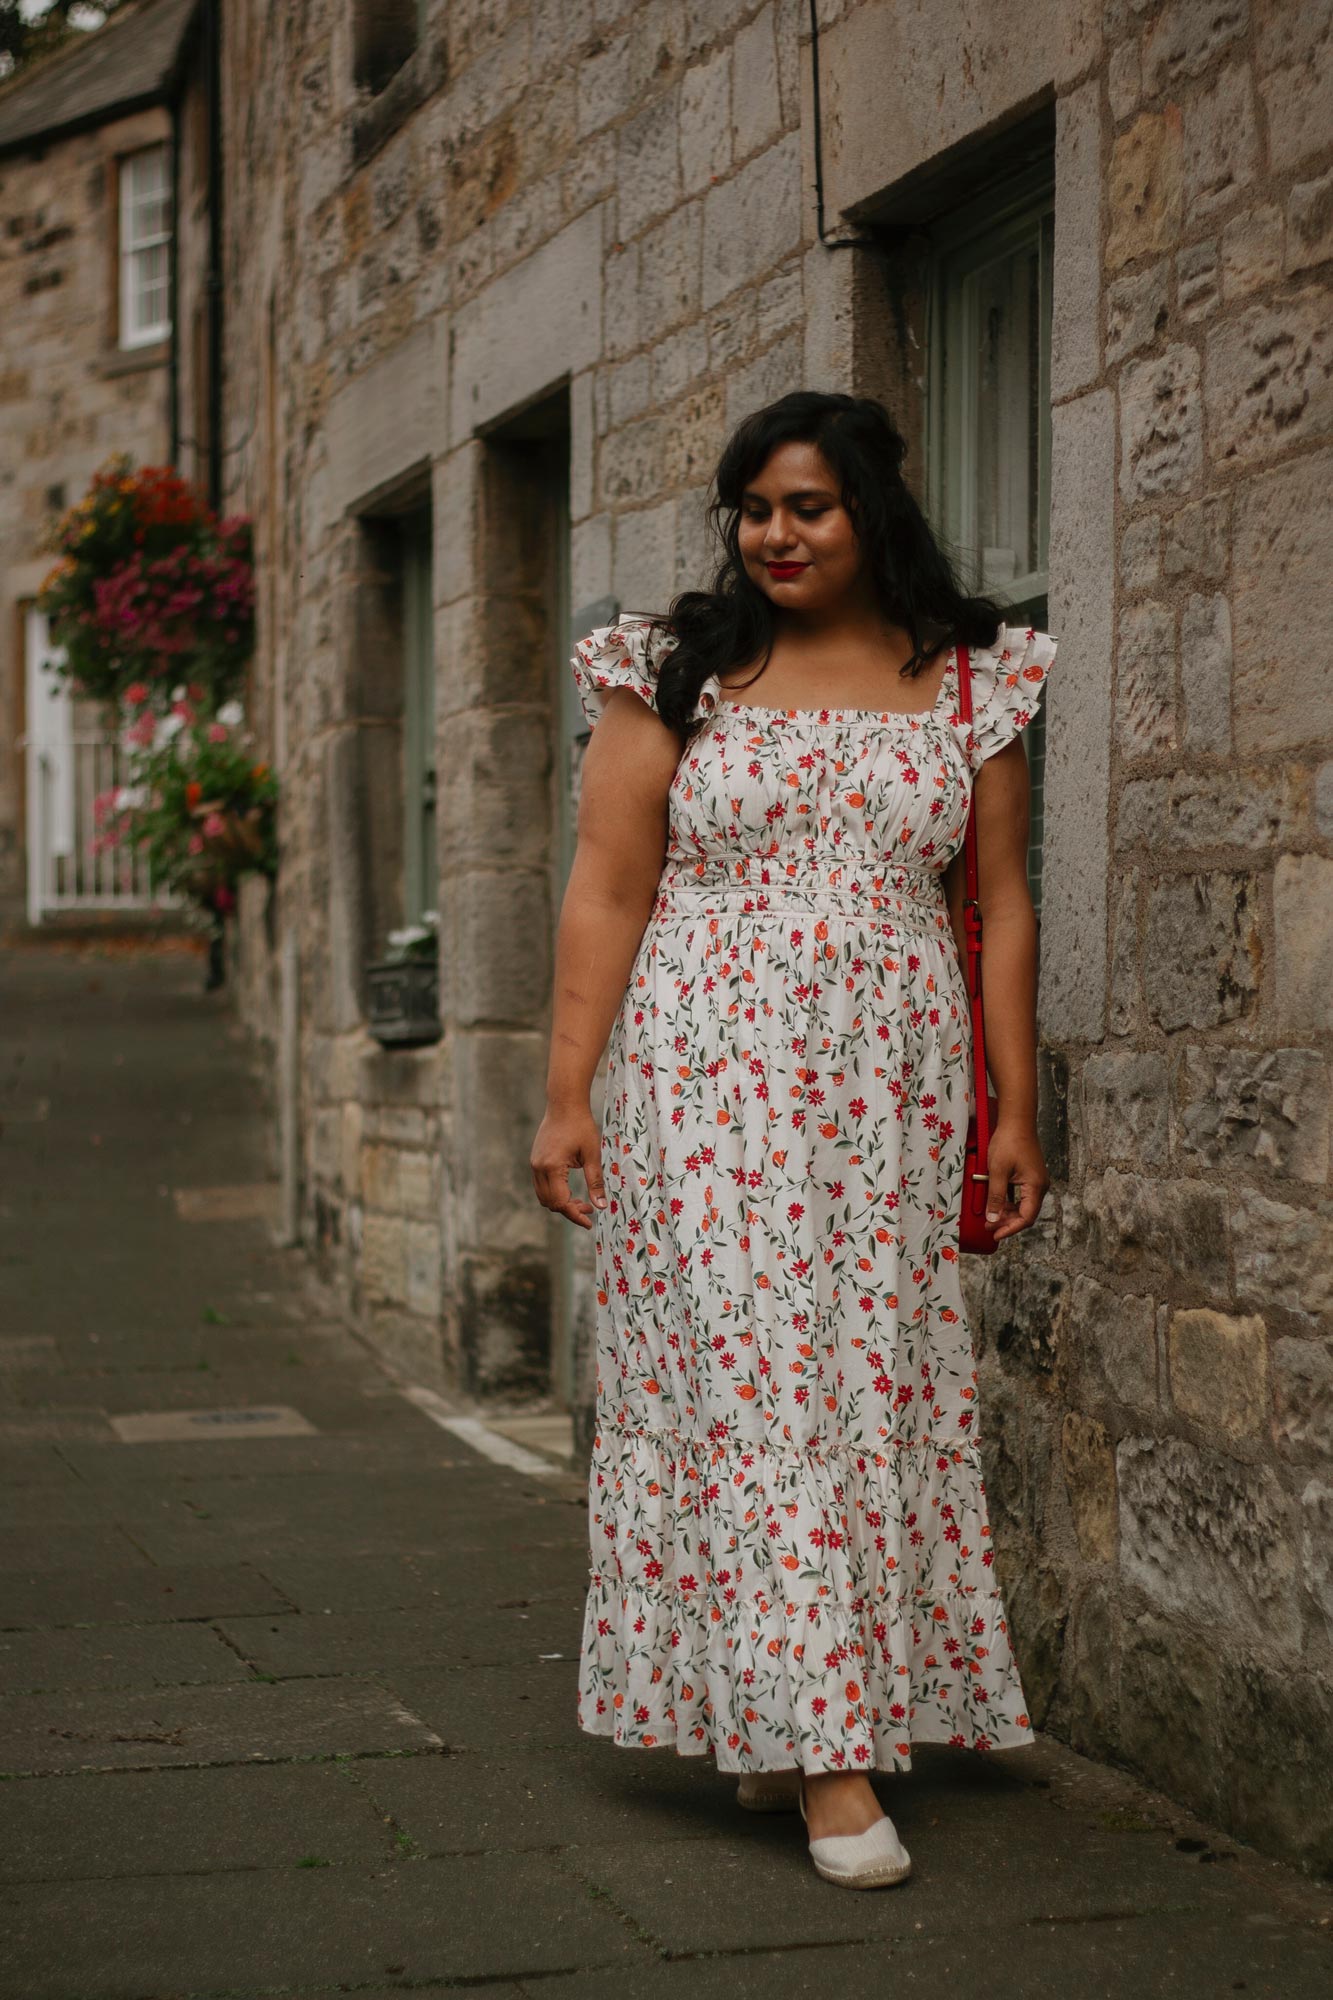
(781, 570)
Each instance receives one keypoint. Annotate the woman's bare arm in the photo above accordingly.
(628, 766)
(1009, 984)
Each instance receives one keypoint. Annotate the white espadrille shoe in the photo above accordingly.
(769, 1791)
(874, 1859)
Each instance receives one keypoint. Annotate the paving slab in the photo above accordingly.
(530, 1706)
(212, 1725)
(456, 1633)
(125, 1656)
(185, 1822)
(402, 1582)
(1146, 1957)
(141, 1595)
(465, 1918)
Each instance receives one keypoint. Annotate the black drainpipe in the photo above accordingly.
(173, 247)
(213, 60)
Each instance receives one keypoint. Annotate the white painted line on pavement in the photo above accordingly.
(480, 1436)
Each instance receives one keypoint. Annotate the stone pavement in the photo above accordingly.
(289, 1699)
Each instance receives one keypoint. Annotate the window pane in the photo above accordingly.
(1007, 323)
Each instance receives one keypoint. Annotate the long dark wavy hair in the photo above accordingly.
(915, 580)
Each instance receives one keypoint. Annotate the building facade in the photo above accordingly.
(500, 279)
(105, 343)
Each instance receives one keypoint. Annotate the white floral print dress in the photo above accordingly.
(791, 1558)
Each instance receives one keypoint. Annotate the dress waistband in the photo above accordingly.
(893, 892)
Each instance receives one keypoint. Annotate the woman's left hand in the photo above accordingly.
(1014, 1158)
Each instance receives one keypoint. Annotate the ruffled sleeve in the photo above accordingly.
(626, 655)
(1007, 683)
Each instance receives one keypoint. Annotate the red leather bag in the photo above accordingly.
(974, 1232)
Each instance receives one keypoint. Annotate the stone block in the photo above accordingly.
(647, 167)
(780, 303)
(1183, 37)
(533, 324)
(1138, 309)
(1317, 1548)
(1161, 425)
(1124, 80)
(645, 555)
(1310, 224)
(631, 462)
(1199, 279)
(1221, 143)
(1251, 251)
(1278, 1719)
(1114, 1358)
(1146, 188)
(620, 300)
(1125, 1108)
(1089, 1469)
(756, 110)
(679, 362)
(1205, 673)
(1140, 553)
(1286, 1255)
(1124, 973)
(1078, 721)
(1283, 555)
(1250, 1107)
(1269, 378)
(423, 1269)
(629, 389)
(504, 1322)
(1146, 680)
(774, 373)
(1075, 349)
(1303, 941)
(501, 1084)
(383, 1266)
(1323, 800)
(1296, 81)
(704, 117)
(753, 220)
(501, 975)
(1170, 1234)
(670, 268)
(695, 436)
(733, 330)
(1302, 1373)
(1208, 1539)
(1202, 949)
(1090, 1667)
(1170, 1690)
(1196, 539)
(1217, 1366)
(1250, 809)
(606, 84)
(495, 796)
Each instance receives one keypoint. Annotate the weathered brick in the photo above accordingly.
(1218, 1370)
(1161, 425)
(1251, 1108)
(1268, 378)
(1202, 949)
(1146, 189)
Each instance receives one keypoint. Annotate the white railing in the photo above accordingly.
(65, 777)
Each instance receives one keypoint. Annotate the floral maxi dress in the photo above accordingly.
(791, 1557)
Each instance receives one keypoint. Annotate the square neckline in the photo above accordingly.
(950, 674)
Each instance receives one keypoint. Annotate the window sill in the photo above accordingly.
(133, 360)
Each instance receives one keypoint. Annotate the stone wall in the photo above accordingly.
(68, 396)
(605, 214)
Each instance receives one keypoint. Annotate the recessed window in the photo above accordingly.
(145, 247)
(384, 35)
(990, 412)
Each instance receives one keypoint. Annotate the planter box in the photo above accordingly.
(404, 1002)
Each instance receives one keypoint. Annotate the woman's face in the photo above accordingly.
(796, 538)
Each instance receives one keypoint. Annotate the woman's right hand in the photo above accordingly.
(565, 1140)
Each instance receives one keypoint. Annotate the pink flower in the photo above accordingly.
(183, 710)
(214, 826)
(136, 695)
(143, 731)
(196, 843)
(217, 732)
(223, 899)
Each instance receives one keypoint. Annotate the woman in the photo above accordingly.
(791, 1561)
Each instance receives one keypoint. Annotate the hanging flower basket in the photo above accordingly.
(404, 987)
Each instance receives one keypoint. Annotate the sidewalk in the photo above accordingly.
(289, 1695)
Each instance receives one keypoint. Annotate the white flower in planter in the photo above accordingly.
(231, 714)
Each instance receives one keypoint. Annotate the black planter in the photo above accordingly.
(404, 1002)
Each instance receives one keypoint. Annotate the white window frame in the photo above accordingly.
(962, 245)
(134, 244)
